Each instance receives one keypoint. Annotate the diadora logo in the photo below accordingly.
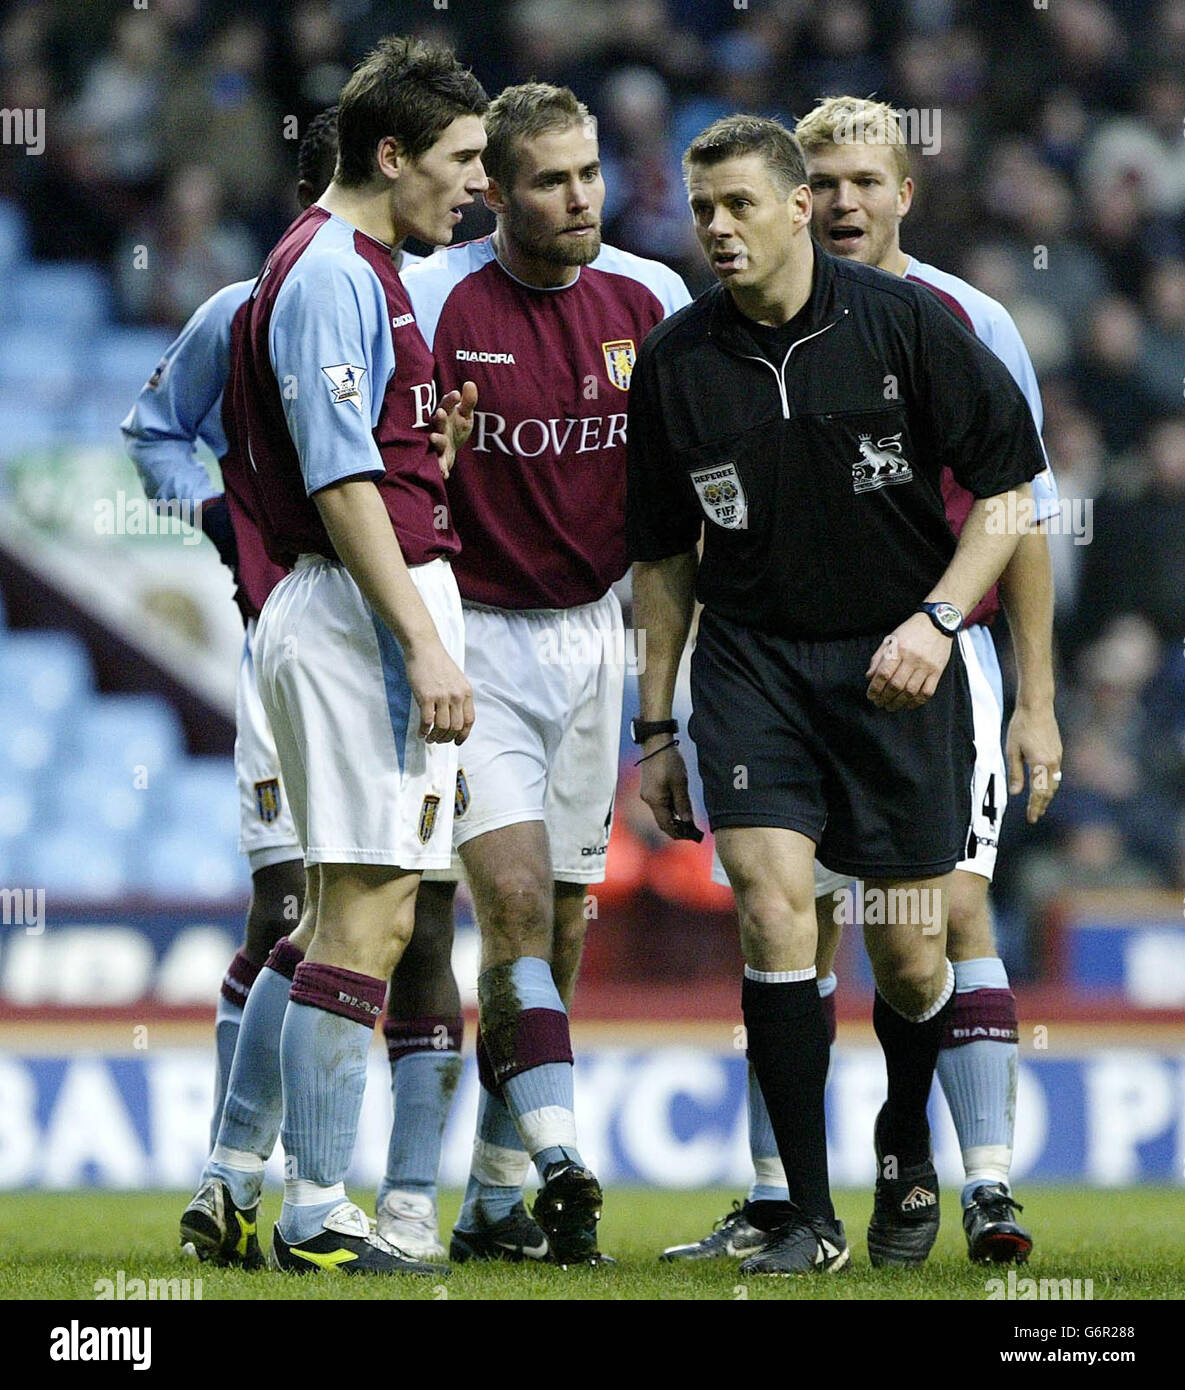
(355, 1003)
(917, 1198)
(403, 320)
(880, 465)
(493, 358)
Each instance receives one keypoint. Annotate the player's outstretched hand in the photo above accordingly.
(907, 666)
(664, 790)
(454, 424)
(443, 694)
(1033, 738)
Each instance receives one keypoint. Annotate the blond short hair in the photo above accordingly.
(848, 120)
(521, 113)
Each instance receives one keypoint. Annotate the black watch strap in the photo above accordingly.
(642, 729)
(945, 616)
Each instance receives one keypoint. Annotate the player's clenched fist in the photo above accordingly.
(443, 694)
(906, 667)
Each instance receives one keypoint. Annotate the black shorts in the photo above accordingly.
(787, 737)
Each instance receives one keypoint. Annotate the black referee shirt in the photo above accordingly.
(818, 485)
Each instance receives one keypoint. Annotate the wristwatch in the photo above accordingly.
(642, 729)
(945, 616)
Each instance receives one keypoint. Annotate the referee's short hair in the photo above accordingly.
(520, 113)
(732, 137)
(848, 120)
(406, 89)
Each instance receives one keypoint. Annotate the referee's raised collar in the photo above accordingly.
(723, 325)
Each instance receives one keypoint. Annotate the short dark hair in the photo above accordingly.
(521, 113)
(406, 89)
(317, 155)
(734, 136)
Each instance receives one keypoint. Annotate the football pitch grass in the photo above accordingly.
(1129, 1242)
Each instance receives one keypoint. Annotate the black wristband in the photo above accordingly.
(642, 729)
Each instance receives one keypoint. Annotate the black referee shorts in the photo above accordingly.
(787, 737)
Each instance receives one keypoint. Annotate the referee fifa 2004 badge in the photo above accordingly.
(722, 496)
(428, 817)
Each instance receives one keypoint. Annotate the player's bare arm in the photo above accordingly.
(907, 666)
(454, 424)
(664, 600)
(1026, 590)
(360, 529)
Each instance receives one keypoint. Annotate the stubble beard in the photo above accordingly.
(548, 248)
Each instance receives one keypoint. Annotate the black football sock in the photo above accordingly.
(911, 1054)
(789, 1050)
(768, 1216)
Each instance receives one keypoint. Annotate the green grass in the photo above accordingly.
(1130, 1243)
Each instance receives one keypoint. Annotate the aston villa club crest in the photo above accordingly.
(619, 361)
(344, 381)
(267, 800)
(461, 804)
(428, 817)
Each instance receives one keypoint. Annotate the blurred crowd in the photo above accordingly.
(1057, 186)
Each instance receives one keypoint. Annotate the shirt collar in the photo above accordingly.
(723, 325)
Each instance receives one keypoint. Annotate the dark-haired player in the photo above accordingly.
(333, 399)
(547, 322)
(182, 403)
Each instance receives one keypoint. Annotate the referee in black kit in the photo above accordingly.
(800, 413)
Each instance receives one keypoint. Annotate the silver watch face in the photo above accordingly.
(948, 615)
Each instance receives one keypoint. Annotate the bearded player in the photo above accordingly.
(547, 322)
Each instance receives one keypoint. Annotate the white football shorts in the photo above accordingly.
(364, 787)
(989, 786)
(547, 688)
(267, 832)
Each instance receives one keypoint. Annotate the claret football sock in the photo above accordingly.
(911, 1051)
(324, 1043)
(788, 1050)
(236, 986)
(525, 1028)
(425, 1058)
(977, 1068)
(254, 1101)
